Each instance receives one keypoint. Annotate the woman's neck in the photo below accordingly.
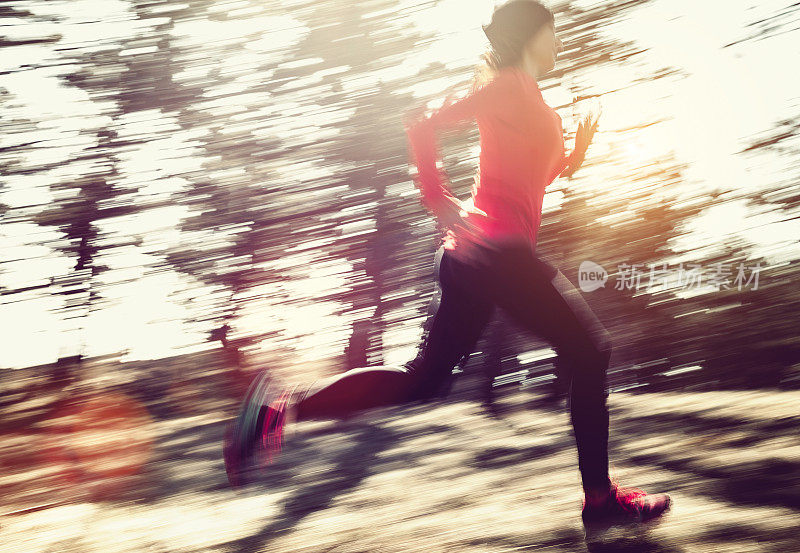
(528, 65)
(527, 71)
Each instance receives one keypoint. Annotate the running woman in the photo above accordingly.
(488, 259)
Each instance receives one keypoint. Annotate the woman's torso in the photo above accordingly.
(522, 144)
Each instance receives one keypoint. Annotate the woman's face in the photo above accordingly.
(543, 48)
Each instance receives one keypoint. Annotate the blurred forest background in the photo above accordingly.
(192, 190)
(176, 176)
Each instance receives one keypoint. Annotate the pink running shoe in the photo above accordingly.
(624, 506)
(255, 436)
(275, 418)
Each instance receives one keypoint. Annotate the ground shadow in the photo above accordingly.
(769, 481)
(314, 492)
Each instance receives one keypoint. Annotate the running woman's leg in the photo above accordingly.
(458, 313)
(542, 299)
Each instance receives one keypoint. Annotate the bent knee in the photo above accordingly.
(424, 383)
(591, 357)
(604, 345)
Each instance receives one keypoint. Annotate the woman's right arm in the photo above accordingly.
(423, 142)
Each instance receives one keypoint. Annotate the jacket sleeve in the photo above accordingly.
(565, 162)
(423, 142)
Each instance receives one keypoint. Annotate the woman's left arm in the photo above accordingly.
(569, 164)
(583, 138)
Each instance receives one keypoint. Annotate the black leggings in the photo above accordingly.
(537, 296)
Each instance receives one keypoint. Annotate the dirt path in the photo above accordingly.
(448, 478)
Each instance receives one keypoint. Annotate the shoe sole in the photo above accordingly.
(595, 533)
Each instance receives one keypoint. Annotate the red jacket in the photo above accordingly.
(522, 151)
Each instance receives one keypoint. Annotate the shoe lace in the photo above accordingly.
(628, 498)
